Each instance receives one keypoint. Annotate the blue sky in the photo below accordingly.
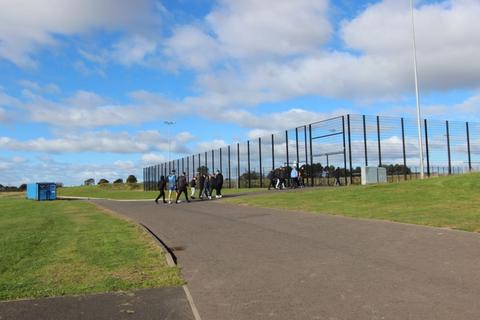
(85, 86)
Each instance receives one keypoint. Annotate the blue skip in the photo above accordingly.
(42, 191)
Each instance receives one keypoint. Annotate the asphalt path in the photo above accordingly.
(248, 263)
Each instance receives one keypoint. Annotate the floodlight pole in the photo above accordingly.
(168, 123)
(417, 95)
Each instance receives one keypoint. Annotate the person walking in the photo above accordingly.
(337, 177)
(271, 177)
(201, 183)
(281, 179)
(206, 188)
(213, 183)
(172, 185)
(161, 187)
(294, 177)
(182, 187)
(193, 184)
(219, 180)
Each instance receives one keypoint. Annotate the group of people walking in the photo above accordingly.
(204, 182)
(279, 177)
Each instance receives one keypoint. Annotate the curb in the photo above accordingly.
(92, 198)
(172, 262)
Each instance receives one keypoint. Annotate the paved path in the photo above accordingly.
(148, 304)
(245, 263)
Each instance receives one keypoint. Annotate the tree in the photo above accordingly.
(22, 187)
(103, 181)
(131, 179)
(89, 182)
(118, 181)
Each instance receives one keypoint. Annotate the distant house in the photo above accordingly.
(89, 182)
(2, 188)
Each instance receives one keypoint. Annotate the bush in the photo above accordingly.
(118, 181)
(131, 179)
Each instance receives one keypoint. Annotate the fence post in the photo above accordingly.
(220, 154)
(188, 169)
(296, 145)
(238, 165)
(448, 149)
(286, 148)
(260, 161)
(199, 161)
(229, 167)
(183, 165)
(213, 160)
(273, 154)
(248, 165)
(403, 149)
(350, 148)
(468, 148)
(365, 140)
(206, 160)
(426, 147)
(143, 174)
(379, 143)
(306, 153)
(311, 155)
(344, 152)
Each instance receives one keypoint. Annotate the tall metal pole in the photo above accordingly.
(168, 123)
(417, 95)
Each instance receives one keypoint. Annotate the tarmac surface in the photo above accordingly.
(248, 263)
(147, 304)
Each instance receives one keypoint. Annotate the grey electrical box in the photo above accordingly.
(371, 175)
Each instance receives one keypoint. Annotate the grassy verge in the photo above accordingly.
(123, 192)
(452, 202)
(72, 247)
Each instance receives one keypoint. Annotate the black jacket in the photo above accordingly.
(213, 182)
(219, 180)
(201, 181)
(193, 183)
(162, 184)
(182, 182)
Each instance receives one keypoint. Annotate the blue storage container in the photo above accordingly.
(42, 191)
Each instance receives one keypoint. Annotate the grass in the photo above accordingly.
(451, 202)
(123, 192)
(73, 247)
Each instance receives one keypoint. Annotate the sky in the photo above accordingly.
(86, 85)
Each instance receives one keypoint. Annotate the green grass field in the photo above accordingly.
(123, 192)
(72, 247)
(451, 202)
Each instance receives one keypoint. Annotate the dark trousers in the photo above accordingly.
(272, 183)
(219, 190)
(161, 194)
(180, 191)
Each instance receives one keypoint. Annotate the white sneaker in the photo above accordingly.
(169, 202)
(209, 198)
(217, 197)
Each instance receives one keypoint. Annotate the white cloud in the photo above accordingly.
(149, 159)
(251, 30)
(134, 49)
(101, 142)
(124, 164)
(209, 145)
(27, 25)
(49, 88)
(86, 109)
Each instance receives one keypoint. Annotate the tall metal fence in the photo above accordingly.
(338, 147)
